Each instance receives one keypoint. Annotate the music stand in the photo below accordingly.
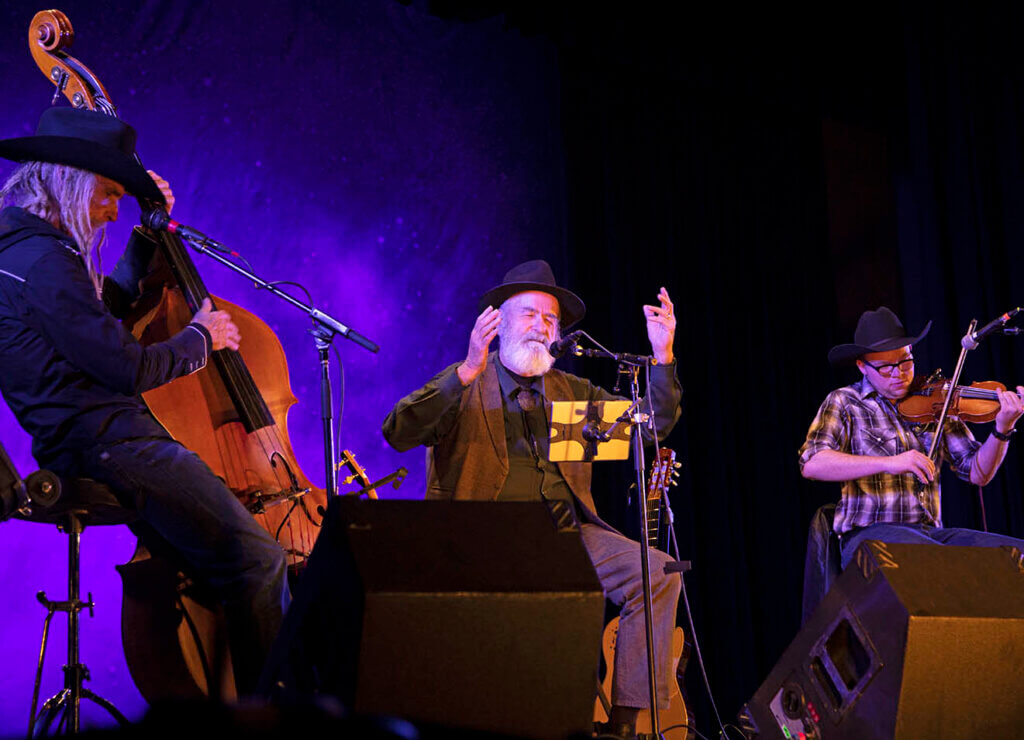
(577, 436)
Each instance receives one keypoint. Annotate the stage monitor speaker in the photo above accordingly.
(474, 615)
(912, 641)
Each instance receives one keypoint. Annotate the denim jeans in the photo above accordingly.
(178, 498)
(923, 534)
(617, 561)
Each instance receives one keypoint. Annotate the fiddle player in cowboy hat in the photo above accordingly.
(73, 375)
(890, 486)
(485, 422)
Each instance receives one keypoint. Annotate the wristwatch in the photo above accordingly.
(1003, 437)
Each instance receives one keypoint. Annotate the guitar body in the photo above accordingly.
(675, 716)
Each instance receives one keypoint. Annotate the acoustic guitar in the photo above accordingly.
(673, 721)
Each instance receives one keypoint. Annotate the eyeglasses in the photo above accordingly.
(892, 368)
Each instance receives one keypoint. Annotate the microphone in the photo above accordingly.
(158, 220)
(560, 347)
(972, 339)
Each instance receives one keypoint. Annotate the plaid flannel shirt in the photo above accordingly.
(859, 421)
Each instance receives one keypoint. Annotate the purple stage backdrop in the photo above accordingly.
(394, 163)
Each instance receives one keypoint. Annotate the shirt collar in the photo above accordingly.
(511, 382)
(864, 388)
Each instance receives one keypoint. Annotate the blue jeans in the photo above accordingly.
(923, 534)
(181, 501)
(617, 562)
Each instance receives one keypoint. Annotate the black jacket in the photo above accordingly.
(69, 370)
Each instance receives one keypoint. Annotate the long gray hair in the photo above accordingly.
(60, 195)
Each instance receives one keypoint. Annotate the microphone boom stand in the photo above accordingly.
(631, 364)
(327, 327)
(645, 564)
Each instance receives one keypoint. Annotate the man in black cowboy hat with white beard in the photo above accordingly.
(73, 375)
(485, 422)
(890, 485)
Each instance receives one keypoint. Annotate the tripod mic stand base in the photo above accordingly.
(59, 708)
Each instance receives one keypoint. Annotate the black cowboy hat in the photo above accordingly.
(877, 331)
(87, 140)
(536, 275)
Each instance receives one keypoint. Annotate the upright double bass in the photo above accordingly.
(233, 414)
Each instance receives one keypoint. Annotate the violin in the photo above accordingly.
(975, 403)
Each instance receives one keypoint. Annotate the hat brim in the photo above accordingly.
(844, 354)
(572, 308)
(86, 155)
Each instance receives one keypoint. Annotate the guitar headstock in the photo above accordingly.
(663, 473)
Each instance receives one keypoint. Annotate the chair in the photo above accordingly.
(823, 562)
(81, 503)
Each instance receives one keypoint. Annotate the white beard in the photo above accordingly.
(525, 356)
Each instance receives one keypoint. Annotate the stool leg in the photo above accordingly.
(50, 608)
(53, 709)
(65, 706)
(74, 670)
(111, 709)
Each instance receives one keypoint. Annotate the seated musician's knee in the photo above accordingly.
(248, 561)
(662, 582)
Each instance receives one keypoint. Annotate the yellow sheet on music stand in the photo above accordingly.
(567, 421)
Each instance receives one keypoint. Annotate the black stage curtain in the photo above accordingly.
(779, 175)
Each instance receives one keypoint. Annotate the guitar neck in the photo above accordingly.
(653, 521)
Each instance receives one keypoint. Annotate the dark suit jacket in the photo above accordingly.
(467, 457)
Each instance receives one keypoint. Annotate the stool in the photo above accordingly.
(82, 502)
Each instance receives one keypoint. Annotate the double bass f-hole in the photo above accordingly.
(276, 458)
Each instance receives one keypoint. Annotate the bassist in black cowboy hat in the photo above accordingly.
(890, 485)
(73, 375)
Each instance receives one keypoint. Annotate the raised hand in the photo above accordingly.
(661, 327)
(484, 331)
